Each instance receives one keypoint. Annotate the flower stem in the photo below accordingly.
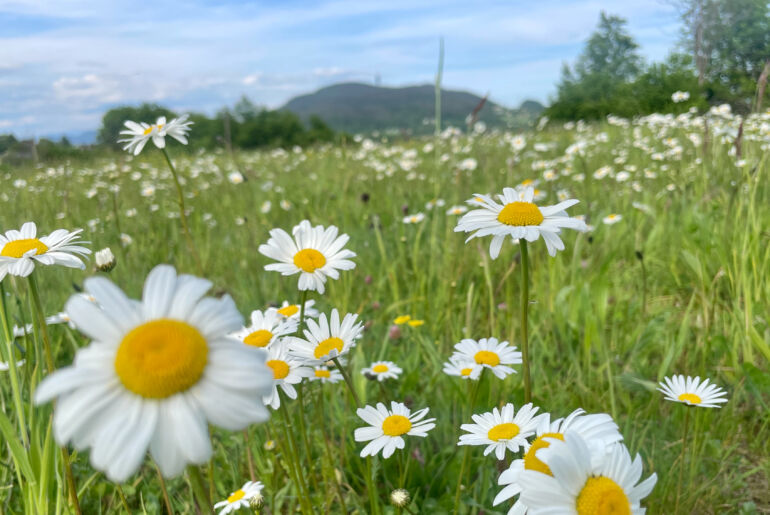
(249, 455)
(373, 506)
(466, 452)
(164, 491)
(199, 489)
(524, 313)
(303, 493)
(329, 454)
(39, 322)
(682, 456)
(14, 373)
(183, 214)
(348, 381)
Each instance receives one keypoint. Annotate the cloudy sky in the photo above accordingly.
(64, 62)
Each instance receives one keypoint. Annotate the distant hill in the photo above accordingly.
(362, 108)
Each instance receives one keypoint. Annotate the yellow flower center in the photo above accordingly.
(323, 373)
(289, 310)
(602, 496)
(236, 496)
(531, 461)
(690, 397)
(379, 369)
(280, 368)
(18, 248)
(520, 214)
(326, 346)
(309, 260)
(504, 431)
(161, 358)
(466, 371)
(526, 182)
(396, 425)
(485, 357)
(147, 130)
(259, 338)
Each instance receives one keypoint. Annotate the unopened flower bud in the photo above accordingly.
(257, 501)
(400, 498)
(105, 260)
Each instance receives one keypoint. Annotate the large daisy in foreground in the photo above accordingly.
(157, 373)
(314, 252)
(21, 250)
(388, 426)
(587, 480)
(599, 427)
(518, 217)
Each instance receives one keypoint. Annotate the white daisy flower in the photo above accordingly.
(325, 340)
(293, 311)
(488, 353)
(693, 391)
(138, 134)
(158, 372)
(590, 427)
(240, 498)
(382, 370)
(516, 216)
(4, 365)
(315, 253)
(436, 202)
(21, 250)
(414, 219)
(326, 374)
(287, 371)
(266, 328)
(461, 367)
(387, 427)
(456, 210)
(587, 480)
(500, 429)
(612, 219)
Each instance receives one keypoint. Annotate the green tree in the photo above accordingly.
(610, 51)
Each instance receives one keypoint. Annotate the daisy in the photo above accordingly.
(612, 219)
(516, 216)
(382, 370)
(293, 311)
(325, 340)
(599, 427)
(488, 353)
(287, 371)
(158, 372)
(266, 328)
(387, 427)
(241, 497)
(461, 367)
(138, 134)
(456, 210)
(414, 219)
(21, 250)
(315, 253)
(587, 480)
(326, 374)
(693, 392)
(501, 430)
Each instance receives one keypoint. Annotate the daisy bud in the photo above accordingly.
(400, 498)
(257, 501)
(105, 260)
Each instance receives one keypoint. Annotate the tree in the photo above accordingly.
(610, 51)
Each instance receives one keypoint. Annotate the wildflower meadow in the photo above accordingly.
(572, 319)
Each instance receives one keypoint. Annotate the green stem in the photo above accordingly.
(303, 493)
(123, 499)
(183, 214)
(14, 373)
(466, 452)
(164, 491)
(249, 455)
(199, 489)
(39, 321)
(682, 456)
(373, 506)
(303, 300)
(524, 313)
(348, 381)
(329, 454)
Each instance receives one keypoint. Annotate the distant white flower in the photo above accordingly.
(240, 498)
(105, 260)
(612, 219)
(500, 429)
(138, 134)
(387, 427)
(693, 391)
(382, 370)
(456, 210)
(680, 96)
(235, 177)
(414, 219)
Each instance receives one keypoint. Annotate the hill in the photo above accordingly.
(354, 107)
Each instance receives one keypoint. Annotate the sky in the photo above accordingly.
(63, 63)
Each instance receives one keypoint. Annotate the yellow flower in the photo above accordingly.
(416, 323)
(402, 319)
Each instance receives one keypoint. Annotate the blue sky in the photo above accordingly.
(64, 62)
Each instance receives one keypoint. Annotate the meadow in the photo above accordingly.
(671, 278)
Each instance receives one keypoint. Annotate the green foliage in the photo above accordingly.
(610, 52)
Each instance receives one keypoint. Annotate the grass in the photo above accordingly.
(682, 288)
